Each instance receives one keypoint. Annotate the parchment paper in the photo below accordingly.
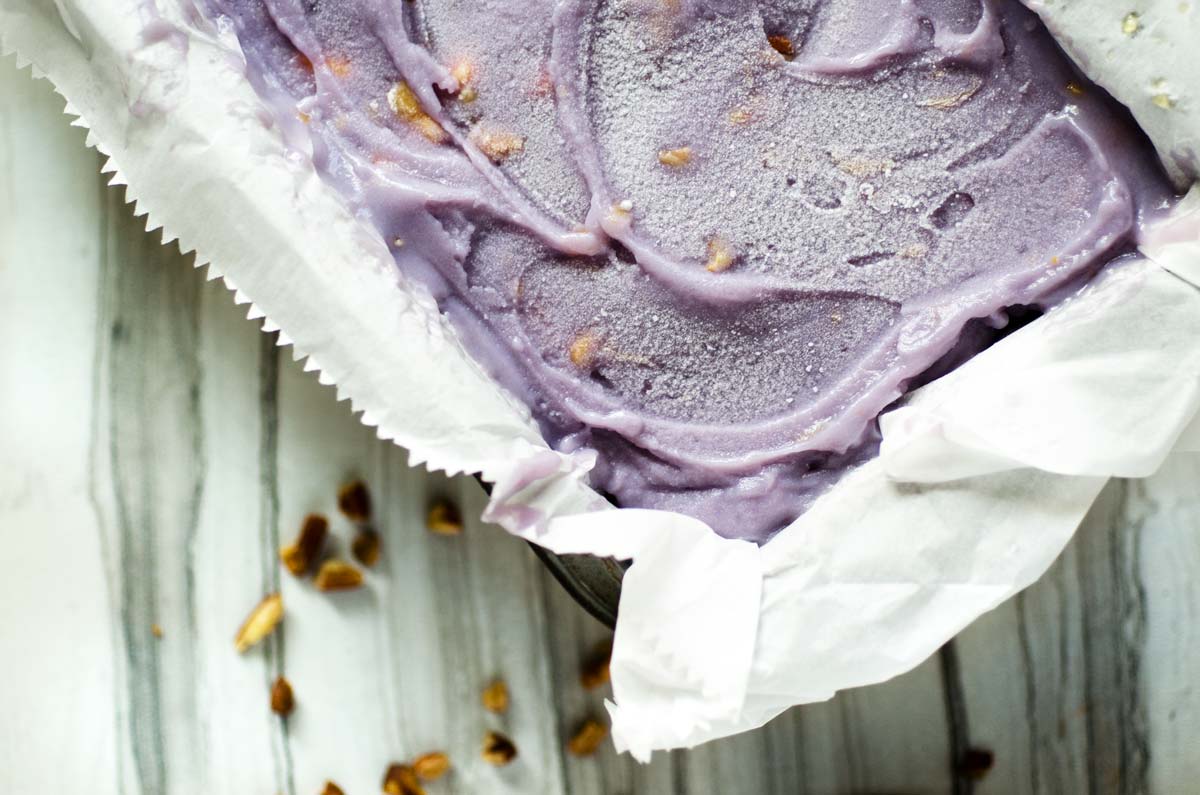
(984, 474)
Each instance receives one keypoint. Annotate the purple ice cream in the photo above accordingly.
(711, 240)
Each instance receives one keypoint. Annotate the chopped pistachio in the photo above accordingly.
(950, 101)
(583, 350)
(261, 622)
(782, 45)
(1131, 24)
(402, 780)
(338, 575)
(299, 555)
(339, 65)
(595, 670)
(365, 547)
(675, 158)
(405, 104)
(498, 749)
(283, 701)
(720, 256)
(495, 696)
(444, 518)
(498, 145)
(354, 501)
(587, 738)
(431, 766)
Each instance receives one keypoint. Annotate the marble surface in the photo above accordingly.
(156, 447)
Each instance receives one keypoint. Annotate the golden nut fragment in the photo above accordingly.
(283, 701)
(402, 780)
(782, 45)
(332, 789)
(156, 630)
(1074, 88)
(720, 256)
(431, 766)
(739, 116)
(339, 65)
(299, 555)
(675, 158)
(498, 749)
(464, 72)
(495, 696)
(261, 622)
(582, 352)
(1131, 24)
(405, 104)
(443, 518)
(595, 670)
(498, 145)
(587, 739)
(365, 547)
(354, 501)
(338, 575)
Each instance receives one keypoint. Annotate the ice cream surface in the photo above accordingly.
(711, 241)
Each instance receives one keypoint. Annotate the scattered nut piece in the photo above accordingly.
(588, 738)
(1163, 101)
(402, 780)
(463, 72)
(261, 622)
(156, 630)
(338, 575)
(332, 789)
(975, 763)
(951, 101)
(782, 45)
(354, 501)
(1131, 24)
(498, 749)
(720, 256)
(495, 696)
(431, 766)
(583, 350)
(498, 145)
(1074, 88)
(283, 701)
(443, 518)
(339, 65)
(595, 668)
(404, 103)
(299, 555)
(739, 116)
(365, 547)
(675, 158)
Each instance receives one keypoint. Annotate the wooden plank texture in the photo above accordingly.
(156, 448)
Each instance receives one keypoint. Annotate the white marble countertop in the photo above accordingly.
(155, 448)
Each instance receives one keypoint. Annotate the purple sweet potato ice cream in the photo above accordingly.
(711, 240)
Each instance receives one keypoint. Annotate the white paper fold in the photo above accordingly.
(714, 636)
